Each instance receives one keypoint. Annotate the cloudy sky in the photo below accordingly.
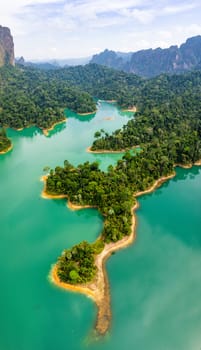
(44, 29)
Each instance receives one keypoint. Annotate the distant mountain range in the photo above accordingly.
(54, 63)
(150, 63)
(145, 63)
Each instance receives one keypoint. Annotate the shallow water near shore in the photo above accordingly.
(155, 284)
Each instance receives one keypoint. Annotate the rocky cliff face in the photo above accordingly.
(108, 58)
(6, 47)
(149, 63)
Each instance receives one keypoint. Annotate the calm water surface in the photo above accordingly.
(155, 284)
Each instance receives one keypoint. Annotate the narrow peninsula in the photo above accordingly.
(5, 142)
(82, 268)
(113, 193)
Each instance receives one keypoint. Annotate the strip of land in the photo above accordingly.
(104, 151)
(46, 131)
(88, 113)
(70, 205)
(188, 166)
(89, 150)
(99, 289)
(130, 109)
(20, 129)
(7, 149)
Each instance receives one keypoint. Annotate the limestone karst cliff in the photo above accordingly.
(150, 63)
(7, 56)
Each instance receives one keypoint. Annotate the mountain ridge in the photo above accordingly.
(152, 62)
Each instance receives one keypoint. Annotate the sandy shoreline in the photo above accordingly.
(99, 289)
(188, 166)
(75, 288)
(156, 184)
(70, 205)
(88, 113)
(46, 131)
(198, 163)
(7, 149)
(103, 151)
(20, 129)
(130, 109)
(88, 149)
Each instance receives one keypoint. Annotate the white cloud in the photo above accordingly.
(100, 13)
(141, 15)
(67, 27)
(153, 38)
(187, 31)
(175, 9)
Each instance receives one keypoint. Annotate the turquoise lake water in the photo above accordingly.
(155, 283)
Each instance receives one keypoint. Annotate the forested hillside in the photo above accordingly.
(101, 82)
(30, 96)
(167, 105)
(169, 113)
(33, 97)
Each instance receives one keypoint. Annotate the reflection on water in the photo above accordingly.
(57, 129)
(155, 284)
(27, 132)
(81, 118)
(191, 173)
(177, 206)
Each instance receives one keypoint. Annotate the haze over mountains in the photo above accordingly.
(53, 63)
(149, 63)
(146, 63)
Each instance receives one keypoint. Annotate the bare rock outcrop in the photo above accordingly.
(7, 56)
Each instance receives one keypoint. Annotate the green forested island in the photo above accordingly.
(5, 142)
(111, 192)
(167, 128)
